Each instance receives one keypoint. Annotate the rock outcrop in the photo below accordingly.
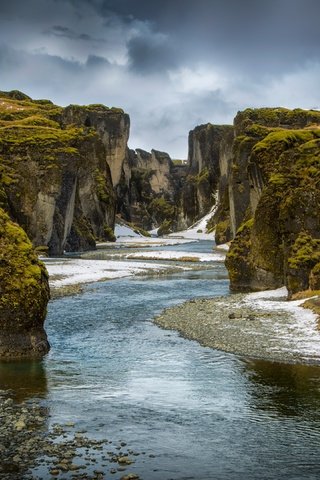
(208, 164)
(274, 196)
(149, 191)
(24, 294)
(56, 168)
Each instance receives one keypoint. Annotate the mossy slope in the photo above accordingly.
(276, 166)
(55, 180)
(24, 294)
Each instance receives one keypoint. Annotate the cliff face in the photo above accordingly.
(24, 294)
(274, 196)
(55, 172)
(150, 190)
(208, 163)
(112, 126)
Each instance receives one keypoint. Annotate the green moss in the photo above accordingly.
(161, 209)
(23, 279)
(101, 186)
(314, 277)
(276, 117)
(238, 260)
(165, 228)
(222, 232)
(139, 230)
(203, 176)
(109, 234)
(305, 252)
(97, 107)
(37, 136)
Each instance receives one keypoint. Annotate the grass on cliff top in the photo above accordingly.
(37, 135)
(288, 157)
(277, 117)
(97, 107)
(12, 109)
(32, 123)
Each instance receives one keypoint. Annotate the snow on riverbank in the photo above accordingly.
(64, 272)
(127, 236)
(260, 325)
(300, 334)
(177, 256)
(197, 231)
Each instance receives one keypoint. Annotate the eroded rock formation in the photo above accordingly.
(55, 169)
(208, 164)
(149, 193)
(274, 187)
(24, 294)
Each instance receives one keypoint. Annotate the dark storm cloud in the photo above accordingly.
(66, 32)
(171, 64)
(263, 36)
(150, 54)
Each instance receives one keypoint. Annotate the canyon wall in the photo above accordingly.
(274, 196)
(57, 166)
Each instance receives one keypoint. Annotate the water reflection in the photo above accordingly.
(285, 389)
(24, 379)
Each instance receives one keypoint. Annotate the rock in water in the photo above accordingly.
(24, 294)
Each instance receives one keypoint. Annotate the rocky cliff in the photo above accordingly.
(24, 294)
(56, 169)
(274, 197)
(149, 192)
(208, 164)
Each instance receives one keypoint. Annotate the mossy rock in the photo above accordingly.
(24, 294)
(303, 263)
(223, 232)
(165, 228)
(238, 260)
(109, 234)
(314, 277)
(161, 210)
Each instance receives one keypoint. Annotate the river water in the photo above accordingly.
(195, 413)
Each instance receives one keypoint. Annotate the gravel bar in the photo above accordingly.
(231, 325)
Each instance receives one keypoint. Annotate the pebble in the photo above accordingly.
(230, 324)
(35, 449)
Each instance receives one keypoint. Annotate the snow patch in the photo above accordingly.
(198, 230)
(171, 255)
(125, 231)
(300, 334)
(64, 272)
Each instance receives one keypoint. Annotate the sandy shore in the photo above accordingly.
(259, 325)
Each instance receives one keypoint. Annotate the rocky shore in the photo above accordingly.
(31, 449)
(248, 325)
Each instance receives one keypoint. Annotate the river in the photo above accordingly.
(191, 412)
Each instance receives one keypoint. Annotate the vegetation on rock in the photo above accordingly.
(276, 160)
(24, 294)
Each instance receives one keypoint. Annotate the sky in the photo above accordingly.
(170, 64)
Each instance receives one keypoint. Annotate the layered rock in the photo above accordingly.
(24, 294)
(150, 190)
(55, 169)
(274, 198)
(208, 164)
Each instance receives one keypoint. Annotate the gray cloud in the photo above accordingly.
(151, 53)
(170, 64)
(66, 32)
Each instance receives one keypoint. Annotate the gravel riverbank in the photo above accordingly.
(249, 325)
(30, 449)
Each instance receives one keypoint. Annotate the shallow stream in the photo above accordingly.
(191, 412)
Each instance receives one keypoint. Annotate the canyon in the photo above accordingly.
(66, 173)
